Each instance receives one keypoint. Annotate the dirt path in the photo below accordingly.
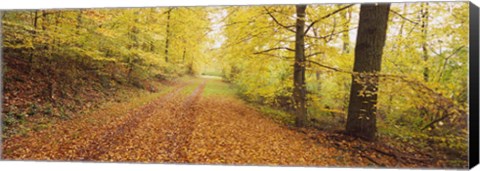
(229, 132)
(180, 126)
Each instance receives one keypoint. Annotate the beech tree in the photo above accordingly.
(362, 109)
(299, 89)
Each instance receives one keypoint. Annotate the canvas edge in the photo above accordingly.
(473, 141)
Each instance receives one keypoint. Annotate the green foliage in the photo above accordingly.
(277, 115)
(33, 109)
(218, 87)
(9, 120)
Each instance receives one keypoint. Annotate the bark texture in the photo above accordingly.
(361, 121)
(168, 34)
(299, 89)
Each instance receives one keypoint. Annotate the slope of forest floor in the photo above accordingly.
(202, 121)
(38, 97)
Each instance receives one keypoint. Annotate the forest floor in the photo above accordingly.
(200, 121)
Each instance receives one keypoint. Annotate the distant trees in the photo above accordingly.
(371, 36)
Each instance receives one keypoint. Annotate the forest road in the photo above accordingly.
(182, 125)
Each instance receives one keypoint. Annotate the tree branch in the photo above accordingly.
(276, 56)
(169, 10)
(314, 54)
(446, 60)
(327, 67)
(333, 34)
(401, 16)
(435, 121)
(276, 21)
(248, 37)
(276, 48)
(326, 16)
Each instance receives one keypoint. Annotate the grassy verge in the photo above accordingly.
(277, 115)
(220, 89)
(216, 87)
(193, 84)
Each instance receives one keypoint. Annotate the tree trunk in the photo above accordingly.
(79, 26)
(34, 34)
(299, 90)
(184, 54)
(346, 16)
(53, 76)
(400, 32)
(134, 31)
(152, 46)
(362, 109)
(168, 34)
(317, 72)
(79, 20)
(424, 27)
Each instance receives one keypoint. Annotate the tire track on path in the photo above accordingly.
(70, 139)
(97, 148)
(184, 126)
(161, 137)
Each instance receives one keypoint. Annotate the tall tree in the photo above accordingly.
(424, 26)
(299, 88)
(167, 34)
(346, 16)
(371, 37)
(35, 23)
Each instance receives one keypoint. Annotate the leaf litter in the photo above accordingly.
(191, 128)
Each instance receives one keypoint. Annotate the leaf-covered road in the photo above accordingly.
(184, 124)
